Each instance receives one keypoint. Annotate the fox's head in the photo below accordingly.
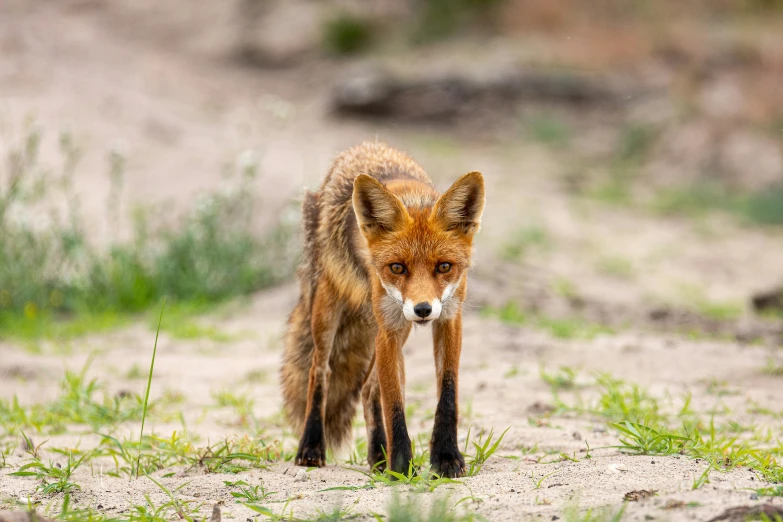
(420, 244)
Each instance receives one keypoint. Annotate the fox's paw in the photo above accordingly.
(376, 459)
(311, 456)
(401, 459)
(448, 463)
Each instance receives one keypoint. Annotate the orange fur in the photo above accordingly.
(382, 249)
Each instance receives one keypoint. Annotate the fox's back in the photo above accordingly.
(339, 242)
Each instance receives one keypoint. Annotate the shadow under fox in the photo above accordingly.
(383, 250)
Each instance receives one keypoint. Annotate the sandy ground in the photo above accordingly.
(179, 114)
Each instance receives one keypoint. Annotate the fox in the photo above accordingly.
(383, 251)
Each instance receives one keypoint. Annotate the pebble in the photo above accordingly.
(301, 476)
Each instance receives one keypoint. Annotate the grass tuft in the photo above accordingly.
(149, 384)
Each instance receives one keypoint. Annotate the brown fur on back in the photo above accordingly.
(335, 251)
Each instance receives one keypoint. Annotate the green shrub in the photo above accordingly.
(49, 268)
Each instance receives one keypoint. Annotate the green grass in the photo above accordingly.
(648, 426)
(77, 404)
(55, 281)
(149, 385)
(567, 328)
(484, 448)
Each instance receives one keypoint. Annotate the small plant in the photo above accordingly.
(484, 449)
(563, 379)
(639, 439)
(247, 493)
(704, 478)
(54, 477)
(537, 483)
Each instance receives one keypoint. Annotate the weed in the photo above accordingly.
(149, 384)
(639, 439)
(76, 404)
(537, 483)
(358, 454)
(704, 478)
(772, 491)
(181, 509)
(248, 493)
(54, 477)
(563, 379)
(484, 449)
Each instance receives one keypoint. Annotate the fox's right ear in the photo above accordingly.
(378, 211)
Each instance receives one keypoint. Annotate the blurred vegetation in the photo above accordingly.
(763, 207)
(437, 19)
(50, 268)
(345, 34)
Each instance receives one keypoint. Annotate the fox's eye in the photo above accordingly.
(444, 267)
(397, 268)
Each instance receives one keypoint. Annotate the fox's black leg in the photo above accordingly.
(445, 456)
(325, 321)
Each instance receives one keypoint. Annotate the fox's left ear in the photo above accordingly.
(460, 207)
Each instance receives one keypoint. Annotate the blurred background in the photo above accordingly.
(633, 151)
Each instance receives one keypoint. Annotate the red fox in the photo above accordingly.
(383, 251)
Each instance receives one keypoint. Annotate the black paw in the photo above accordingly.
(311, 455)
(376, 458)
(448, 463)
(376, 452)
(401, 459)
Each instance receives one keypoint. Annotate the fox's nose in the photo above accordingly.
(422, 309)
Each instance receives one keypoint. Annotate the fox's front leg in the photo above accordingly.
(325, 321)
(391, 377)
(445, 456)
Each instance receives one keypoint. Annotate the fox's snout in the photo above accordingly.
(421, 311)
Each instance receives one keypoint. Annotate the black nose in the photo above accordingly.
(422, 309)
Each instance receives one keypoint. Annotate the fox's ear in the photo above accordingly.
(460, 207)
(378, 211)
